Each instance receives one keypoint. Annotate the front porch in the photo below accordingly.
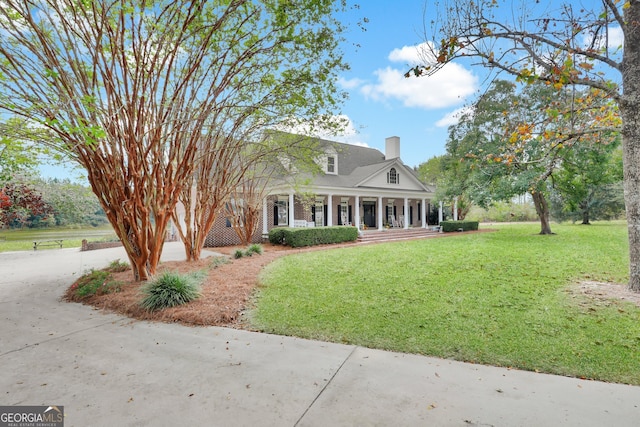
(364, 212)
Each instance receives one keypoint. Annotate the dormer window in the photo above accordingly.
(331, 164)
(393, 177)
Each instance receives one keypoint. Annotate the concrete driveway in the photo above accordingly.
(107, 370)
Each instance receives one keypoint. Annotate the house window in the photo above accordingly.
(331, 164)
(393, 177)
(318, 213)
(343, 213)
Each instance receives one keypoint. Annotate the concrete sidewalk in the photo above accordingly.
(107, 370)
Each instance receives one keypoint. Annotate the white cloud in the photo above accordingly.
(350, 83)
(347, 133)
(407, 54)
(449, 86)
(614, 39)
(452, 117)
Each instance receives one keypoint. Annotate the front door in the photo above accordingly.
(369, 214)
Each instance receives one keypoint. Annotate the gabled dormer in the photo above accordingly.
(329, 161)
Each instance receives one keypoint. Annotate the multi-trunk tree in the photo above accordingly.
(134, 91)
(563, 43)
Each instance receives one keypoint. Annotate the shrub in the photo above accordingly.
(277, 235)
(448, 226)
(171, 289)
(239, 253)
(298, 237)
(96, 282)
(254, 249)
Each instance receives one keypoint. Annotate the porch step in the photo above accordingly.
(393, 234)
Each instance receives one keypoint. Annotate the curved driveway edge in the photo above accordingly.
(108, 370)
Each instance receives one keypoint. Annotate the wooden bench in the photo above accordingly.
(40, 243)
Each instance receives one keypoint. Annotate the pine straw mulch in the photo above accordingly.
(226, 292)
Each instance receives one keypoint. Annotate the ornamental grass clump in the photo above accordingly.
(254, 249)
(171, 289)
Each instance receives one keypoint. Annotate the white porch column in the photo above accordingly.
(440, 213)
(423, 215)
(455, 209)
(406, 213)
(329, 210)
(380, 225)
(292, 211)
(265, 217)
(357, 218)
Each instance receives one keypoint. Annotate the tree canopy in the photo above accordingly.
(138, 92)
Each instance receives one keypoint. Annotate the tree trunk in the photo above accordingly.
(542, 209)
(585, 212)
(630, 112)
(585, 217)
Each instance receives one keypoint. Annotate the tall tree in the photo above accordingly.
(563, 43)
(130, 89)
(514, 141)
(431, 171)
(587, 185)
(72, 203)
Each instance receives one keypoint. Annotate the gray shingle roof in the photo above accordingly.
(355, 164)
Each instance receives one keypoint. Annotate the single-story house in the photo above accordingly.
(358, 186)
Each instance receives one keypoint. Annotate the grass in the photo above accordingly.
(22, 240)
(492, 298)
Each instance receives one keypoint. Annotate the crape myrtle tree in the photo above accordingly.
(238, 164)
(563, 43)
(129, 88)
(277, 158)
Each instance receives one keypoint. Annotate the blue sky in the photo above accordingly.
(418, 110)
(382, 102)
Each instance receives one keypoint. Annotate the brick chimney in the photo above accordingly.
(392, 148)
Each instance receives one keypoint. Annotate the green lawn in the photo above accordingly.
(21, 240)
(492, 298)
